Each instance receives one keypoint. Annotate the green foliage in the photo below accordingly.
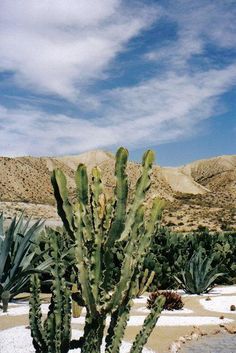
(18, 257)
(54, 334)
(173, 300)
(170, 252)
(107, 232)
(198, 276)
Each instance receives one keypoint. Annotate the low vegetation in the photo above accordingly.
(173, 300)
(171, 252)
(199, 276)
(18, 257)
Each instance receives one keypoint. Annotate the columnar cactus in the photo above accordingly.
(54, 334)
(97, 225)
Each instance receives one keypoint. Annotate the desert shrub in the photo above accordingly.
(170, 252)
(173, 300)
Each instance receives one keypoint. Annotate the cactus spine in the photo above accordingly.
(97, 225)
(53, 335)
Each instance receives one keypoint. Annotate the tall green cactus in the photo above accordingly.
(54, 334)
(97, 225)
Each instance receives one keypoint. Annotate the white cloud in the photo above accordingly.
(66, 48)
(199, 23)
(151, 113)
(58, 47)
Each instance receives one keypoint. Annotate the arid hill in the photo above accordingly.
(202, 193)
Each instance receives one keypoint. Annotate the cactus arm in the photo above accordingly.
(148, 326)
(145, 282)
(142, 186)
(64, 207)
(81, 180)
(121, 194)
(134, 259)
(149, 282)
(82, 265)
(129, 263)
(66, 328)
(93, 333)
(98, 207)
(142, 284)
(35, 316)
(119, 321)
(154, 218)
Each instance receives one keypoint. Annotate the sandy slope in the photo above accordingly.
(200, 193)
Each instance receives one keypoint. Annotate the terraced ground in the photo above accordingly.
(200, 317)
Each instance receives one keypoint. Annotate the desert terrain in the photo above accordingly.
(199, 194)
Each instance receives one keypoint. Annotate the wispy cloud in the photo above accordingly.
(149, 114)
(58, 47)
(75, 46)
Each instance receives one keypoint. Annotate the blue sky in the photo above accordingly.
(77, 75)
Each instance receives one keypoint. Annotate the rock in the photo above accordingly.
(195, 336)
(182, 339)
(230, 328)
(232, 308)
(208, 299)
(174, 347)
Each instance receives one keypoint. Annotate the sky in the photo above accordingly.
(79, 75)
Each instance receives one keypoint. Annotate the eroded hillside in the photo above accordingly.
(202, 193)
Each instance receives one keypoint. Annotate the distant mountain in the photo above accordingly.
(202, 193)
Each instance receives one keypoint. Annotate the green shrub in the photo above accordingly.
(170, 252)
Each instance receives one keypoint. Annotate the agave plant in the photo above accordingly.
(18, 258)
(199, 276)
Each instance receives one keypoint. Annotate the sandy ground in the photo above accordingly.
(198, 310)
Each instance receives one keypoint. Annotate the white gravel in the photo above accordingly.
(168, 320)
(21, 309)
(18, 340)
(220, 304)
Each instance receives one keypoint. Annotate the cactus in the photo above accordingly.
(53, 335)
(96, 225)
(146, 281)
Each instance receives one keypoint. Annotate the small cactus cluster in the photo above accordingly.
(173, 300)
(54, 334)
(145, 281)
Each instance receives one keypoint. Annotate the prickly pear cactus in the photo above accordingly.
(97, 224)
